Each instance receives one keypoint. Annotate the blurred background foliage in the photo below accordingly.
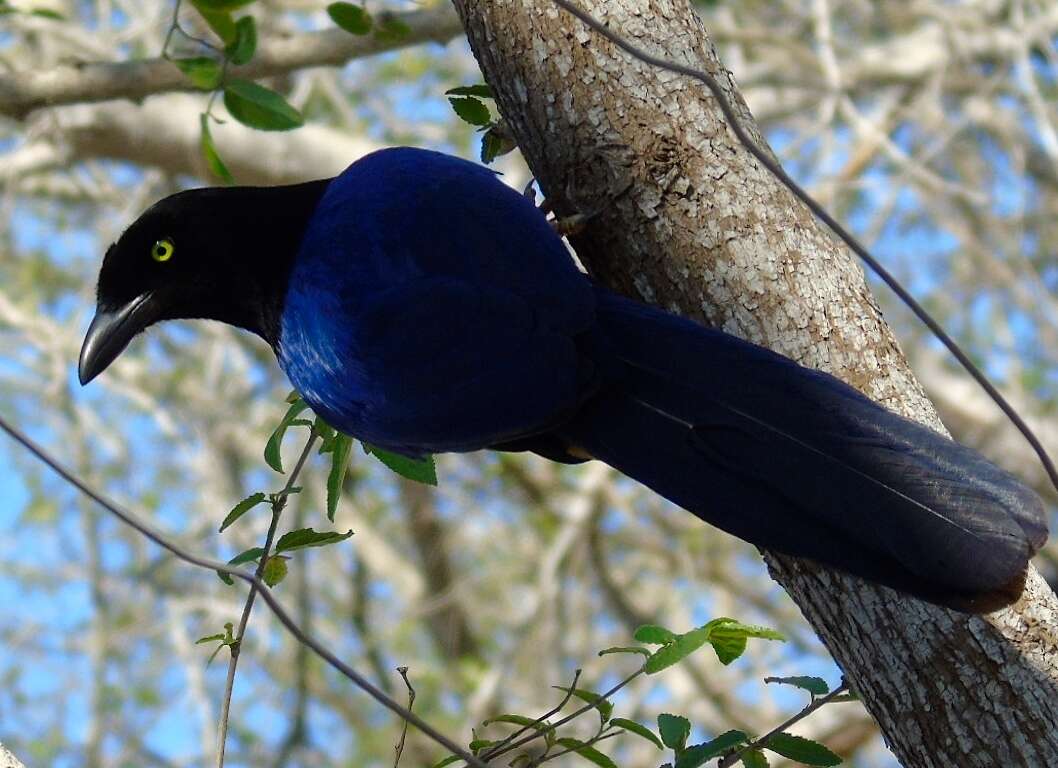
(930, 126)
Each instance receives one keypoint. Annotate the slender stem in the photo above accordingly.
(497, 748)
(576, 714)
(278, 504)
(399, 748)
(815, 704)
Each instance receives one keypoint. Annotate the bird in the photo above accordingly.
(418, 303)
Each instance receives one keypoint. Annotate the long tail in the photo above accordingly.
(796, 461)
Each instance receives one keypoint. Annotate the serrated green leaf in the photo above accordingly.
(674, 730)
(682, 647)
(754, 758)
(390, 29)
(202, 71)
(624, 649)
(241, 509)
(209, 152)
(802, 750)
(471, 110)
(275, 570)
(420, 470)
(700, 754)
(816, 686)
(640, 730)
(604, 706)
(728, 637)
(272, 455)
(259, 107)
(209, 639)
(480, 90)
(587, 752)
(651, 634)
(341, 447)
(352, 18)
(306, 537)
(242, 48)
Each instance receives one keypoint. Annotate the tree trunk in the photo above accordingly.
(689, 221)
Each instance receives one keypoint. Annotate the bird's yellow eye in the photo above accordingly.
(163, 250)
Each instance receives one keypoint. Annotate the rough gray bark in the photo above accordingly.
(688, 220)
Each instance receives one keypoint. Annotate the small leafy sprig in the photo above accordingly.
(468, 102)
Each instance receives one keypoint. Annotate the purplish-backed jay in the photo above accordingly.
(418, 303)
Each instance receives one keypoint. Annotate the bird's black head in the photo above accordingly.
(217, 253)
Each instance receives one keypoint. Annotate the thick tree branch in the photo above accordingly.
(25, 90)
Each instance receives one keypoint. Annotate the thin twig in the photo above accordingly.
(576, 714)
(821, 213)
(279, 502)
(494, 750)
(815, 704)
(282, 615)
(399, 748)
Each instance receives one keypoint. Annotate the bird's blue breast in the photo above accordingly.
(416, 270)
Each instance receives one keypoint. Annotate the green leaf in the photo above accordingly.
(674, 731)
(495, 144)
(640, 730)
(209, 152)
(420, 470)
(341, 447)
(221, 5)
(624, 649)
(351, 18)
(306, 537)
(479, 744)
(587, 752)
(802, 750)
(47, 13)
(728, 637)
(326, 433)
(390, 29)
(700, 754)
(754, 758)
(529, 722)
(678, 650)
(275, 442)
(604, 706)
(220, 21)
(480, 90)
(242, 48)
(259, 107)
(202, 71)
(471, 110)
(652, 634)
(254, 553)
(275, 570)
(241, 509)
(446, 761)
(209, 639)
(816, 686)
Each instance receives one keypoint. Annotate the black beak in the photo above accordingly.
(110, 332)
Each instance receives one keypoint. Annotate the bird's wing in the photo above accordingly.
(443, 364)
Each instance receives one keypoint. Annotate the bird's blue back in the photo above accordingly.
(431, 307)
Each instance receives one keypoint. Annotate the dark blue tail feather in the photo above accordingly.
(796, 461)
